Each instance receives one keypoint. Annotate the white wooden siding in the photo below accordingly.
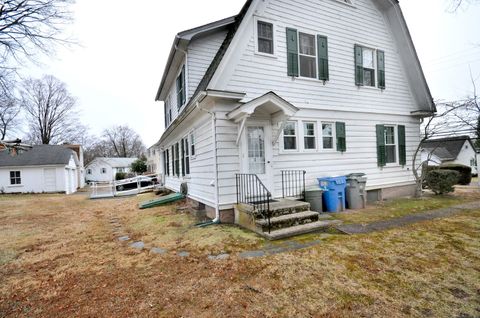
(361, 154)
(201, 179)
(344, 26)
(200, 55)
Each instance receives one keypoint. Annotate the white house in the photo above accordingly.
(456, 150)
(327, 87)
(105, 169)
(154, 162)
(42, 169)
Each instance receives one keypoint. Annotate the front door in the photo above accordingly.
(257, 152)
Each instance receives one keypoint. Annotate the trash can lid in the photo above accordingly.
(356, 175)
(314, 188)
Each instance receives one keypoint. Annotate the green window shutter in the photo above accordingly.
(358, 65)
(381, 153)
(381, 69)
(322, 44)
(341, 137)
(292, 52)
(402, 149)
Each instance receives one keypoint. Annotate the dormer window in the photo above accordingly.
(265, 37)
(181, 94)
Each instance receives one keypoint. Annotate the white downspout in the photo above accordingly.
(215, 161)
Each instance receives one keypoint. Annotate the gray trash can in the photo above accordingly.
(356, 193)
(313, 196)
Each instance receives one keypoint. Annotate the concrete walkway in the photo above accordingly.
(407, 219)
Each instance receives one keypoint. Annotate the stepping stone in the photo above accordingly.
(218, 257)
(124, 238)
(138, 245)
(252, 254)
(183, 254)
(158, 250)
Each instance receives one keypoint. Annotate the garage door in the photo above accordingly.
(50, 180)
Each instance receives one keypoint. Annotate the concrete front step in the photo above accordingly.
(284, 207)
(288, 220)
(300, 229)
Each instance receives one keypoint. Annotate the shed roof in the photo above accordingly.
(39, 155)
(448, 148)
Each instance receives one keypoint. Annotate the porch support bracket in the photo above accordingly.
(241, 129)
(279, 131)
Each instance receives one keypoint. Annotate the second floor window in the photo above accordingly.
(103, 170)
(181, 91)
(369, 67)
(265, 37)
(307, 55)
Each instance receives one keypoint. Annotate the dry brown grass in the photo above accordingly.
(63, 261)
(400, 207)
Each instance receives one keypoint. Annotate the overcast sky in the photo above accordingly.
(125, 44)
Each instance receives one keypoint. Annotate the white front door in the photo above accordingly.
(257, 152)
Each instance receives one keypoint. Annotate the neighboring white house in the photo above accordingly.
(105, 169)
(42, 169)
(458, 150)
(154, 161)
(329, 87)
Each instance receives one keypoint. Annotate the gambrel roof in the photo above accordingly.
(392, 13)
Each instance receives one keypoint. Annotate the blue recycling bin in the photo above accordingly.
(334, 195)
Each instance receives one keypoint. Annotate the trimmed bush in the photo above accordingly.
(442, 181)
(120, 176)
(465, 172)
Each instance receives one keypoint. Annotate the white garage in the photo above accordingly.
(42, 169)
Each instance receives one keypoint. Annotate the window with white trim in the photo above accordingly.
(327, 136)
(177, 160)
(290, 136)
(307, 55)
(265, 37)
(181, 88)
(368, 67)
(15, 178)
(192, 144)
(103, 170)
(309, 139)
(89, 171)
(390, 145)
(185, 157)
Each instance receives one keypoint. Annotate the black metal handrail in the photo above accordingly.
(293, 184)
(252, 191)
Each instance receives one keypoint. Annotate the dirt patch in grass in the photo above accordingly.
(69, 264)
(165, 227)
(400, 207)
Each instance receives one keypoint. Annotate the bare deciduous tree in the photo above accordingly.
(9, 106)
(29, 26)
(457, 4)
(51, 111)
(122, 141)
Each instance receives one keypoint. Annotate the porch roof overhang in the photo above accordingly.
(270, 102)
